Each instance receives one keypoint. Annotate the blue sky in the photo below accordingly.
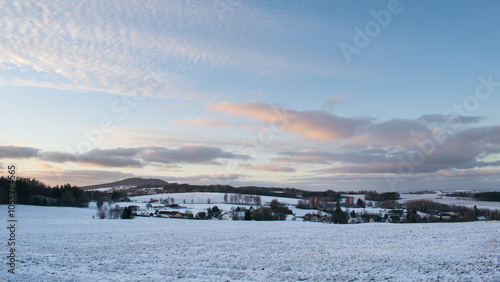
(252, 93)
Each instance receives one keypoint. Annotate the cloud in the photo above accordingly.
(201, 122)
(305, 156)
(142, 156)
(312, 124)
(353, 132)
(394, 132)
(331, 103)
(270, 168)
(466, 149)
(451, 179)
(2, 166)
(15, 152)
(447, 119)
(120, 157)
(212, 178)
(45, 166)
(188, 154)
(64, 46)
(324, 157)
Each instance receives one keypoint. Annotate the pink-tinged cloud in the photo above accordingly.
(201, 122)
(44, 166)
(356, 132)
(270, 168)
(312, 124)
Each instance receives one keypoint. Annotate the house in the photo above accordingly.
(227, 216)
(348, 200)
(312, 217)
(445, 215)
(372, 220)
(134, 209)
(175, 214)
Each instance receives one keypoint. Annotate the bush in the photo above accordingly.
(263, 213)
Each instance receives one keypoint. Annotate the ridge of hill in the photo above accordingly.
(129, 182)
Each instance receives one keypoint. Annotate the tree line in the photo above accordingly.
(33, 192)
(481, 196)
(387, 196)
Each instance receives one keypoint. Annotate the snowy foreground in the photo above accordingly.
(63, 244)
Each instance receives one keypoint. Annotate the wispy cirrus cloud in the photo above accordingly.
(63, 45)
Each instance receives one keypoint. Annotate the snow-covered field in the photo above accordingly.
(66, 244)
(450, 200)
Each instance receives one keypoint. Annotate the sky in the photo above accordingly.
(317, 95)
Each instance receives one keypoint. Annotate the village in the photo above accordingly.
(348, 209)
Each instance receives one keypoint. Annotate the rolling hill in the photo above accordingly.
(128, 183)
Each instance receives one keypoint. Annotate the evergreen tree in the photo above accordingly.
(127, 213)
(248, 215)
(360, 203)
(338, 215)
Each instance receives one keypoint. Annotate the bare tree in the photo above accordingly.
(258, 200)
(102, 211)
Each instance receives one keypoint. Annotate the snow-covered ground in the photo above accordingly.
(450, 200)
(66, 244)
(201, 198)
